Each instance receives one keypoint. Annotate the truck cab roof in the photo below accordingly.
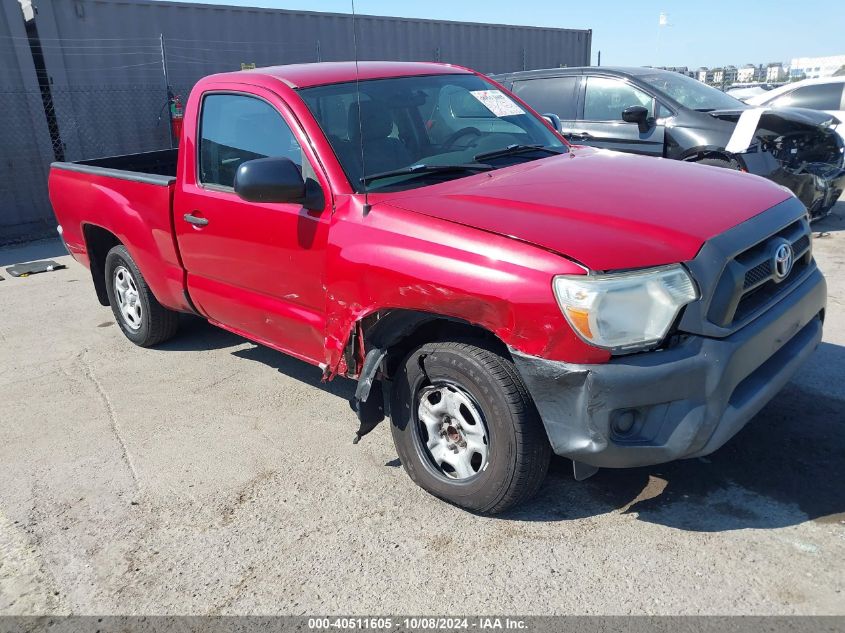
(324, 73)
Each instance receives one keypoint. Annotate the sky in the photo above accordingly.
(711, 33)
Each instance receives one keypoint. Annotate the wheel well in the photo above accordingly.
(98, 243)
(400, 331)
(388, 337)
(710, 153)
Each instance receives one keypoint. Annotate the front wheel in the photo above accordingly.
(142, 318)
(465, 427)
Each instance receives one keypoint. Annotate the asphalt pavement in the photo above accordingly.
(214, 476)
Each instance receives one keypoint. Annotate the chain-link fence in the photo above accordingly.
(64, 123)
(25, 154)
(96, 121)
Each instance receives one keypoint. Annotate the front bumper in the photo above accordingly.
(818, 186)
(686, 401)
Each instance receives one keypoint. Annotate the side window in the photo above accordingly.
(554, 95)
(237, 128)
(605, 98)
(662, 111)
(815, 97)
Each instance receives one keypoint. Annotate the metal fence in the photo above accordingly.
(24, 139)
(88, 78)
(24, 156)
(89, 122)
(96, 121)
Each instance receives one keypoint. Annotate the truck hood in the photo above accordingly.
(606, 210)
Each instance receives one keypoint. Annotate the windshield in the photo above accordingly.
(690, 92)
(417, 125)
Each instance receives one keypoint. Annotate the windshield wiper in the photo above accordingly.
(512, 150)
(426, 169)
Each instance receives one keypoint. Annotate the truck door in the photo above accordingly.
(601, 123)
(256, 268)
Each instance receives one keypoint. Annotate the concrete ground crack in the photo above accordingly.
(113, 423)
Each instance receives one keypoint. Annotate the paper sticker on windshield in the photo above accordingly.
(497, 102)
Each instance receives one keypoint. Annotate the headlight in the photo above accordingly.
(624, 311)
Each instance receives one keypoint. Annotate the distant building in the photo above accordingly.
(682, 70)
(775, 72)
(813, 67)
(704, 75)
(746, 74)
(724, 76)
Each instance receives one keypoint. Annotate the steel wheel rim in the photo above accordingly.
(452, 431)
(128, 298)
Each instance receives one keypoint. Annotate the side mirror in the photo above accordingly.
(638, 114)
(554, 120)
(275, 179)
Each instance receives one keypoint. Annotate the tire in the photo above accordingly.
(482, 385)
(142, 318)
(719, 162)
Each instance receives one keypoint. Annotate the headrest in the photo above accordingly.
(376, 121)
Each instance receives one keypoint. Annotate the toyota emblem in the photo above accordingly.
(783, 260)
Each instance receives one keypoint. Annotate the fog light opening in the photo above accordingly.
(623, 421)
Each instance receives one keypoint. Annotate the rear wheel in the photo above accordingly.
(466, 429)
(142, 318)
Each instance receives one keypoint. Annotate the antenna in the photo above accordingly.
(367, 206)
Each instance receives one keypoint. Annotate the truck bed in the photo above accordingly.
(158, 167)
(128, 197)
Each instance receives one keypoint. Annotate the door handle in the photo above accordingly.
(190, 218)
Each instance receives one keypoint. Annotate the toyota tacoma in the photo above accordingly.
(499, 294)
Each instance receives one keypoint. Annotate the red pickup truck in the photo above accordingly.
(499, 294)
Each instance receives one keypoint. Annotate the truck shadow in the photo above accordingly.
(784, 468)
(32, 251)
(832, 223)
(298, 370)
(196, 334)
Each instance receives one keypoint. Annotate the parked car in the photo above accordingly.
(825, 93)
(663, 113)
(499, 294)
(746, 92)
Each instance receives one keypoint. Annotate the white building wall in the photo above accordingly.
(813, 67)
(745, 75)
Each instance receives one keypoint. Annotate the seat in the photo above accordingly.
(382, 152)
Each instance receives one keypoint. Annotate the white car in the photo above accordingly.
(747, 92)
(824, 93)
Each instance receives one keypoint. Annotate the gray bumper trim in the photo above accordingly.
(685, 401)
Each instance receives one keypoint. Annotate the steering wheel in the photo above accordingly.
(464, 131)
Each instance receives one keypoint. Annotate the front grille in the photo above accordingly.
(802, 244)
(762, 294)
(749, 281)
(757, 274)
